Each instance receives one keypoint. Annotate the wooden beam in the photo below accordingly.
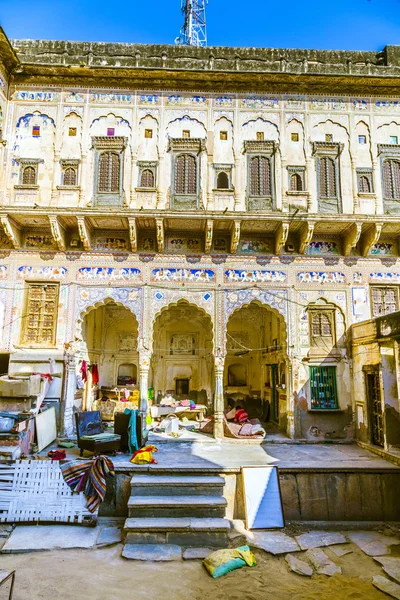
(160, 234)
(351, 238)
(281, 236)
(58, 232)
(305, 236)
(133, 233)
(84, 233)
(369, 238)
(209, 236)
(235, 236)
(12, 231)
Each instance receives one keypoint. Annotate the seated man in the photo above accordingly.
(240, 415)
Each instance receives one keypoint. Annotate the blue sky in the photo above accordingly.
(339, 24)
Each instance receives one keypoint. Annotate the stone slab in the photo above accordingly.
(152, 552)
(387, 561)
(274, 542)
(340, 550)
(388, 587)
(299, 566)
(109, 536)
(372, 543)
(393, 571)
(197, 553)
(319, 539)
(32, 538)
(323, 564)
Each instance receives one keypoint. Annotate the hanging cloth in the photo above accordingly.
(95, 374)
(133, 443)
(84, 370)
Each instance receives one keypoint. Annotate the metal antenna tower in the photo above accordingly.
(193, 30)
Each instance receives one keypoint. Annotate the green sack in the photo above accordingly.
(221, 562)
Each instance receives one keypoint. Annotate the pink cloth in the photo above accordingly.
(83, 370)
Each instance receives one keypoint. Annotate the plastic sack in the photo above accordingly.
(221, 562)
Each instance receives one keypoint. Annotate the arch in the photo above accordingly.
(365, 185)
(147, 179)
(296, 183)
(182, 302)
(91, 298)
(257, 302)
(69, 176)
(29, 175)
(222, 181)
(83, 311)
(185, 119)
(119, 120)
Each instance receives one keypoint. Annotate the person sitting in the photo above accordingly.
(240, 415)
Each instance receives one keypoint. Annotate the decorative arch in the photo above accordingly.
(119, 120)
(185, 119)
(334, 123)
(253, 122)
(262, 303)
(89, 299)
(275, 300)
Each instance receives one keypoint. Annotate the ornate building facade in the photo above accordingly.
(204, 221)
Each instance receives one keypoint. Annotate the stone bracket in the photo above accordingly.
(160, 234)
(84, 233)
(281, 236)
(305, 236)
(12, 231)
(351, 238)
(369, 238)
(209, 236)
(133, 234)
(58, 232)
(235, 236)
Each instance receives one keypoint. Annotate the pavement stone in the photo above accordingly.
(323, 564)
(299, 566)
(152, 552)
(196, 553)
(318, 539)
(274, 542)
(109, 536)
(387, 561)
(372, 543)
(340, 550)
(388, 587)
(32, 538)
(393, 571)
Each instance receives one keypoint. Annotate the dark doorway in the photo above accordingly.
(275, 394)
(182, 387)
(375, 407)
(4, 362)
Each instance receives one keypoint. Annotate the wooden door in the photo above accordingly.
(375, 407)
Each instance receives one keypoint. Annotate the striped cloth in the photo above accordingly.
(89, 477)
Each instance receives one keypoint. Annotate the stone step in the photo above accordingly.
(186, 532)
(170, 485)
(10, 452)
(176, 506)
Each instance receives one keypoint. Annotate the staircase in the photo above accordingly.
(180, 510)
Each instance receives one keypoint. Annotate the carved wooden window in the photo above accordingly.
(222, 181)
(327, 177)
(391, 179)
(296, 183)
(323, 388)
(385, 300)
(364, 186)
(40, 318)
(70, 176)
(109, 172)
(185, 174)
(260, 176)
(322, 329)
(29, 176)
(147, 178)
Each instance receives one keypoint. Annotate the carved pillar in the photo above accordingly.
(219, 396)
(82, 180)
(67, 406)
(356, 200)
(144, 367)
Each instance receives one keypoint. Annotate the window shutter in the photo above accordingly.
(185, 174)
(327, 177)
(70, 176)
(29, 176)
(147, 179)
(109, 172)
(41, 314)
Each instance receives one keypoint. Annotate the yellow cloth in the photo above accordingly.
(144, 456)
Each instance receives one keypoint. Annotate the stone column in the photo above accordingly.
(144, 367)
(67, 406)
(219, 396)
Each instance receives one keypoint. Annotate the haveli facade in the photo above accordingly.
(204, 221)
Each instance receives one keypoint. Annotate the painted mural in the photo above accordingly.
(383, 249)
(110, 243)
(318, 277)
(194, 275)
(182, 244)
(3, 272)
(322, 247)
(109, 273)
(242, 275)
(385, 277)
(28, 272)
(254, 245)
(39, 241)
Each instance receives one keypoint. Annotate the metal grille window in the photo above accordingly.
(391, 179)
(323, 388)
(147, 179)
(185, 174)
(384, 300)
(321, 329)
(29, 176)
(69, 176)
(296, 183)
(364, 185)
(327, 177)
(260, 176)
(40, 319)
(109, 172)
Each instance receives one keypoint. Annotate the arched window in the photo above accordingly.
(109, 172)
(364, 185)
(222, 181)
(321, 328)
(260, 176)
(185, 174)
(327, 177)
(296, 183)
(391, 179)
(29, 176)
(147, 179)
(69, 176)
